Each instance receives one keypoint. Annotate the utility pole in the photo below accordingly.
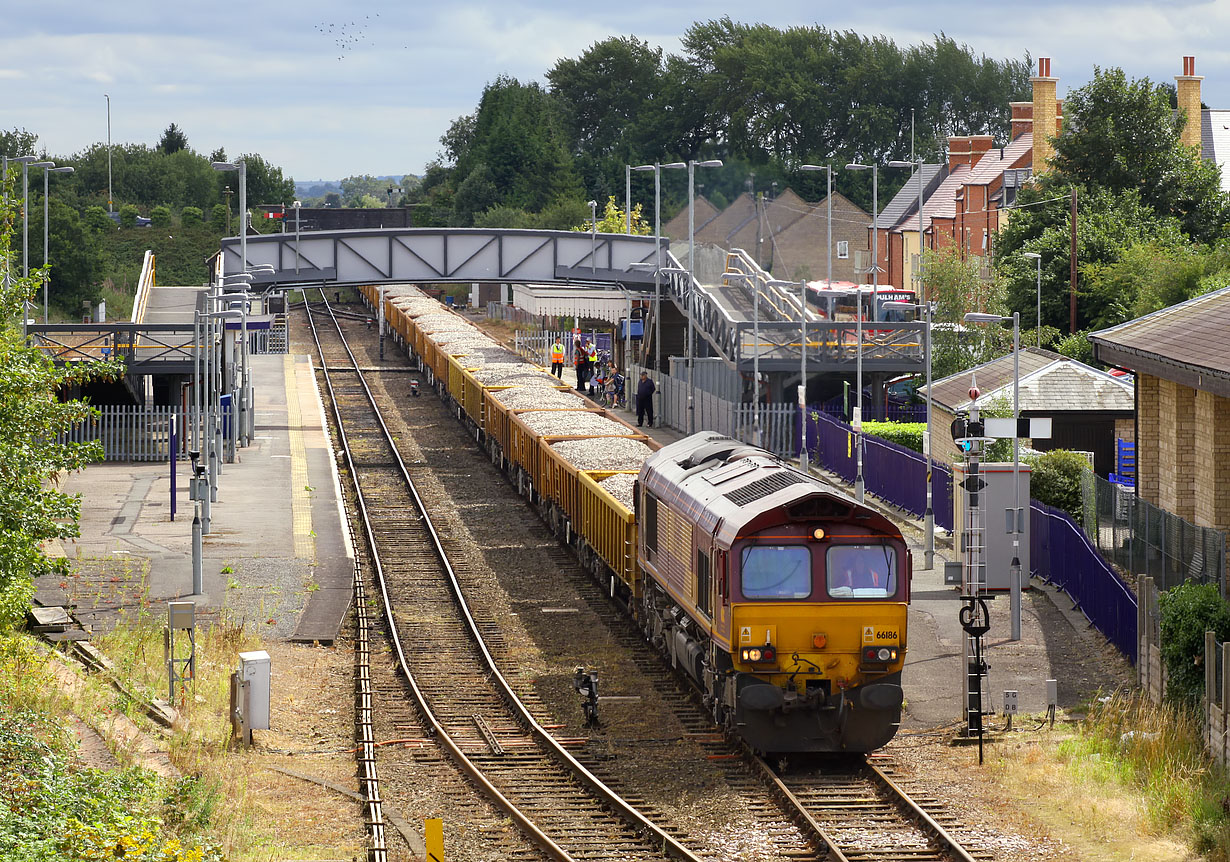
(1072, 257)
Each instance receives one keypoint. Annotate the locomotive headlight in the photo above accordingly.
(818, 533)
(882, 654)
(758, 654)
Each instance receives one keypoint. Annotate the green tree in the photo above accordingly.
(173, 140)
(192, 217)
(160, 216)
(218, 217)
(32, 509)
(128, 215)
(1120, 135)
(356, 187)
(266, 185)
(75, 256)
(614, 220)
(956, 287)
(17, 142)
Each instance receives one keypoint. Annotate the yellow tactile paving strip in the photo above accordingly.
(300, 496)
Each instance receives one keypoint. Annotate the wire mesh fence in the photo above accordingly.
(1142, 539)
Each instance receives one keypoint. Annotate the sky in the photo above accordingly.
(327, 90)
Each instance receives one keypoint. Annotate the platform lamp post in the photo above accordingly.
(1017, 519)
(875, 293)
(110, 199)
(47, 275)
(1037, 258)
(693, 164)
(241, 166)
(928, 309)
(27, 162)
(657, 167)
(929, 516)
(828, 218)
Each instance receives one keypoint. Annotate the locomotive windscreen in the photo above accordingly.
(862, 571)
(776, 572)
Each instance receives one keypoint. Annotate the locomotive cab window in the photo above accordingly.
(776, 572)
(861, 571)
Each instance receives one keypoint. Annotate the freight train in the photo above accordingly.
(778, 595)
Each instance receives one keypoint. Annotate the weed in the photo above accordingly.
(228, 569)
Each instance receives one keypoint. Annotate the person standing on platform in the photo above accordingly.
(581, 360)
(557, 358)
(644, 400)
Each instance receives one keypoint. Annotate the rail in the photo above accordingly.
(659, 838)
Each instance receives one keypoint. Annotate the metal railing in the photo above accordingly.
(523, 318)
(130, 433)
(1142, 539)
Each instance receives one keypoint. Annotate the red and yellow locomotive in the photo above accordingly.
(780, 595)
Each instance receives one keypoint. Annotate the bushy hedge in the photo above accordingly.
(1056, 480)
(1188, 611)
(907, 434)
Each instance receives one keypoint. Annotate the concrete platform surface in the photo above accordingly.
(278, 555)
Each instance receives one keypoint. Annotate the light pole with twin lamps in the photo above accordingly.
(241, 166)
(1017, 519)
(693, 164)
(657, 263)
(828, 218)
(875, 299)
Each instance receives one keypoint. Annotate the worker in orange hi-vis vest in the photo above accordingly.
(557, 358)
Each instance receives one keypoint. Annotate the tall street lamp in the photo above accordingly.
(47, 275)
(1017, 516)
(1037, 258)
(828, 218)
(27, 162)
(875, 271)
(657, 167)
(929, 514)
(753, 283)
(241, 166)
(693, 164)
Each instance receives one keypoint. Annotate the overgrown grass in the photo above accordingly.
(52, 807)
(1155, 753)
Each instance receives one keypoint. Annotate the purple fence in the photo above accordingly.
(1060, 553)
(893, 473)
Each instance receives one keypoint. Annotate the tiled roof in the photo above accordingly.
(1190, 336)
(906, 199)
(952, 392)
(1067, 384)
(996, 160)
(942, 203)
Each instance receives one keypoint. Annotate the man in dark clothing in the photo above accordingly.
(644, 400)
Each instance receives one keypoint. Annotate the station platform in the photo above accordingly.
(278, 557)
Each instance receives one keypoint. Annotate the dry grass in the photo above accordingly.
(255, 812)
(1130, 782)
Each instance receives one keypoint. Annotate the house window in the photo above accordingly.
(843, 249)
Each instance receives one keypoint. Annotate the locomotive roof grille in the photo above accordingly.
(763, 487)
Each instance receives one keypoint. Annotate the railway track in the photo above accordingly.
(806, 814)
(468, 707)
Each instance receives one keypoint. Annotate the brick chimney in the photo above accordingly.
(1189, 101)
(1045, 115)
(1022, 118)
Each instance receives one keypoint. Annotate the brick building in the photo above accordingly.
(1181, 358)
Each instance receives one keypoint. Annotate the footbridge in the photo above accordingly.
(747, 319)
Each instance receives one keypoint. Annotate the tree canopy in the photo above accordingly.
(1151, 219)
(32, 509)
(762, 99)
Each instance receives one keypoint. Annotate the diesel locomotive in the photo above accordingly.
(781, 597)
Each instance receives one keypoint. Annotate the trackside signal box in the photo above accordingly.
(995, 498)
